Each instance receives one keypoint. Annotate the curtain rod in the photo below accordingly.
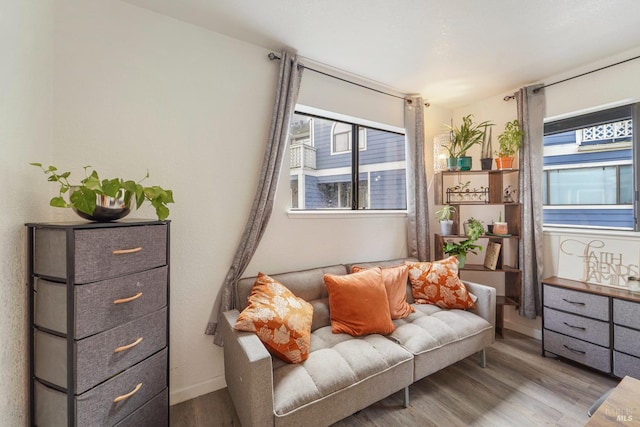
(272, 56)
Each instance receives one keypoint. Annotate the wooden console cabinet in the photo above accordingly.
(597, 326)
(99, 331)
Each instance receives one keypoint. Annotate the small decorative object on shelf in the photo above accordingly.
(106, 200)
(491, 255)
(500, 227)
(509, 194)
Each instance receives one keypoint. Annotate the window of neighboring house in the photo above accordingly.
(327, 174)
(341, 138)
(588, 178)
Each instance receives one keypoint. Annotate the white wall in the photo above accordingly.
(25, 136)
(613, 85)
(136, 90)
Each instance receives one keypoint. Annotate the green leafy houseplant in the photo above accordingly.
(444, 213)
(466, 136)
(82, 197)
(462, 248)
(510, 139)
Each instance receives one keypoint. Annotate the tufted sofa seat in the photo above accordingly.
(344, 374)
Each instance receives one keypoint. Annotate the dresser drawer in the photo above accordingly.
(583, 352)
(96, 358)
(154, 413)
(624, 365)
(97, 407)
(100, 253)
(626, 313)
(626, 340)
(582, 303)
(95, 310)
(584, 328)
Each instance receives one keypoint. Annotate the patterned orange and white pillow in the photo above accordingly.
(281, 320)
(438, 283)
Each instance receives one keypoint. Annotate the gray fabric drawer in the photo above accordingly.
(626, 340)
(586, 353)
(626, 313)
(154, 413)
(584, 328)
(624, 365)
(143, 247)
(96, 360)
(96, 407)
(95, 308)
(582, 303)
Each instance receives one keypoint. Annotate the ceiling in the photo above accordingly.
(451, 52)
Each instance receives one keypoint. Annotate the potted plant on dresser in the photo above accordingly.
(444, 216)
(510, 141)
(465, 137)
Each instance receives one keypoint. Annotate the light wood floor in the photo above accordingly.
(518, 387)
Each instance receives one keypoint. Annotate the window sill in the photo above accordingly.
(591, 232)
(342, 214)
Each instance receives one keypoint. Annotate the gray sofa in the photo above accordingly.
(345, 374)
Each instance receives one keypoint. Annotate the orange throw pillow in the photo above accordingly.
(281, 320)
(438, 283)
(358, 303)
(395, 283)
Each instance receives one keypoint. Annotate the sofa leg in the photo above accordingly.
(483, 358)
(406, 397)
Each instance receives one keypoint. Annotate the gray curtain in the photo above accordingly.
(531, 107)
(417, 206)
(286, 96)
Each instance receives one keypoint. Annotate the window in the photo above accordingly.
(588, 178)
(325, 173)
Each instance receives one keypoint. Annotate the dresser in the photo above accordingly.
(597, 326)
(99, 331)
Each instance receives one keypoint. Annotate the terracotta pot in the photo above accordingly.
(500, 228)
(504, 162)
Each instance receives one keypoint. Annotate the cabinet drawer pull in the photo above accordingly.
(575, 327)
(129, 299)
(128, 395)
(573, 302)
(128, 346)
(573, 350)
(127, 251)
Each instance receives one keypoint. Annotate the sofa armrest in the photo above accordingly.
(248, 373)
(486, 303)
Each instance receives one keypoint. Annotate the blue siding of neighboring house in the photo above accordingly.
(388, 190)
(622, 218)
(598, 156)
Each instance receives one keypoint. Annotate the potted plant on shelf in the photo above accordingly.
(462, 248)
(463, 138)
(444, 216)
(473, 227)
(107, 199)
(486, 160)
(510, 141)
(500, 227)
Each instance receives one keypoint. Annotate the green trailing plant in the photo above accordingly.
(510, 139)
(474, 228)
(82, 197)
(444, 213)
(466, 136)
(462, 248)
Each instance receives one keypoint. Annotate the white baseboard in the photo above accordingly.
(193, 391)
(523, 329)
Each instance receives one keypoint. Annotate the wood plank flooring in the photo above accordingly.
(518, 387)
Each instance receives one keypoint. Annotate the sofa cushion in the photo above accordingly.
(358, 303)
(432, 327)
(281, 320)
(348, 359)
(438, 283)
(395, 282)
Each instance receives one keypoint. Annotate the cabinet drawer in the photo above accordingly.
(583, 352)
(626, 340)
(626, 313)
(582, 303)
(97, 407)
(624, 365)
(154, 413)
(100, 253)
(95, 310)
(96, 358)
(584, 328)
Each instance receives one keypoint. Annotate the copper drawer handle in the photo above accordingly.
(127, 251)
(123, 300)
(128, 395)
(128, 346)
